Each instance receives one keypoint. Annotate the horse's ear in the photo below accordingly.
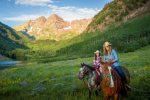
(81, 64)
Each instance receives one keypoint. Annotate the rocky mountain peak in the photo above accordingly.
(54, 17)
(53, 27)
(41, 19)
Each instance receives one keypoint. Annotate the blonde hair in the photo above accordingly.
(104, 49)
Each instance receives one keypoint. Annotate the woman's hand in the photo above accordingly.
(112, 61)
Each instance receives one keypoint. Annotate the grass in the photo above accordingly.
(58, 80)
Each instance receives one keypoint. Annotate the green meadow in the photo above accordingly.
(58, 80)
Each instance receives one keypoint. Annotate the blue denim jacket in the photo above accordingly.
(112, 56)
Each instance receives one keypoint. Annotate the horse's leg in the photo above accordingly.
(106, 97)
(96, 93)
(89, 94)
(90, 89)
(116, 96)
(121, 97)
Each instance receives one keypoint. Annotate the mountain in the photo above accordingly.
(8, 37)
(53, 27)
(10, 40)
(124, 23)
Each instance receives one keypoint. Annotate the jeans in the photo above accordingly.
(120, 72)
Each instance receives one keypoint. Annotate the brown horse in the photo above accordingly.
(111, 84)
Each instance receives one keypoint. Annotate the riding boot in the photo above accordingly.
(128, 88)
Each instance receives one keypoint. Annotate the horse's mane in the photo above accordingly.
(90, 67)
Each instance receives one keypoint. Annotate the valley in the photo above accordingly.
(40, 58)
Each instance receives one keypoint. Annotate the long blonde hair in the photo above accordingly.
(105, 51)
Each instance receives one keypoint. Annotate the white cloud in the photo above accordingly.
(67, 12)
(22, 18)
(72, 13)
(33, 2)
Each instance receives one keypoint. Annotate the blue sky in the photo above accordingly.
(15, 12)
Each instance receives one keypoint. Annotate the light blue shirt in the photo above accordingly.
(112, 56)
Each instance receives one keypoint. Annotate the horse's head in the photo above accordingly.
(105, 65)
(108, 74)
(84, 70)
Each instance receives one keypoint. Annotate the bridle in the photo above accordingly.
(85, 72)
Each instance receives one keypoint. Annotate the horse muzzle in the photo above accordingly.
(80, 76)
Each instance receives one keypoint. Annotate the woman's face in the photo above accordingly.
(108, 47)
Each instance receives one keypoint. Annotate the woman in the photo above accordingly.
(110, 56)
(97, 62)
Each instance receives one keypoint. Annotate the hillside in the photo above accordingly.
(10, 40)
(53, 27)
(118, 11)
(125, 35)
